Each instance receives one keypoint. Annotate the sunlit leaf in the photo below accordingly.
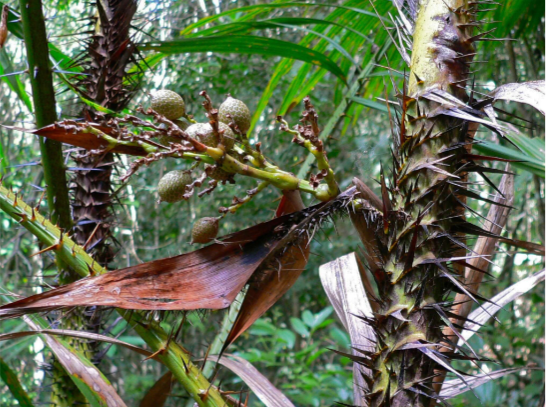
(529, 163)
(245, 44)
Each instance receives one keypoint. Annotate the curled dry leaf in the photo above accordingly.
(531, 93)
(485, 246)
(259, 384)
(158, 393)
(341, 280)
(91, 382)
(272, 283)
(207, 278)
(79, 138)
(4, 26)
(479, 317)
(455, 387)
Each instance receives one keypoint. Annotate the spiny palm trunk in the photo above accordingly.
(109, 52)
(422, 223)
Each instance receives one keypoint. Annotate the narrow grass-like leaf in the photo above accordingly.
(533, 147)
(246, 44)
(381, 107)
(13, 81)
(273, 5)
(10, 379)
(528, 163)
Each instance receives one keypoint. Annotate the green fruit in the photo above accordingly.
(165, 140)
(220, 175)
(181, 124)
(168, 104)
(172, 186)
(205, 230)
(238, 111)
(204, 133)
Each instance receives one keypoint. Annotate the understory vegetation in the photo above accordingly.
(408, 133)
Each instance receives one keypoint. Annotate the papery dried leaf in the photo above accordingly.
(485, 246)
(455, 387)
(530, 247)
(83, 139)
(207, 278)
(4, 25)
(479, 317)
(259, 384)
(341, 280)
(91, 382)
(159, 392)
(272, 283)
(531, 93)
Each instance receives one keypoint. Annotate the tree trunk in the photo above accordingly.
(422, 223)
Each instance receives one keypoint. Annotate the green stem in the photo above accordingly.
(41, 80)
(76, 257)
(225, 328)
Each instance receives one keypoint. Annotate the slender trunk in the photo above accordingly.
(41, 80)
(64, 392)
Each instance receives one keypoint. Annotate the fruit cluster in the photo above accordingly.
(221, 146)
(174, 186)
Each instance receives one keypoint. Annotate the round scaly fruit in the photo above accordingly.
(219, 174)
(165, 140)
(238, 111)
(172, 186)
(204, 133)
(168, 104)
(205, 230)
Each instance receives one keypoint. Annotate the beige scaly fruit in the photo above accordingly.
(168, 104)
(172, 185)
(205, 230)
(238, 111)
(204, 133)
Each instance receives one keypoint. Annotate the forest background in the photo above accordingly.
(290, 343)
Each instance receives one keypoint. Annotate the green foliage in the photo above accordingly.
(290, 343)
